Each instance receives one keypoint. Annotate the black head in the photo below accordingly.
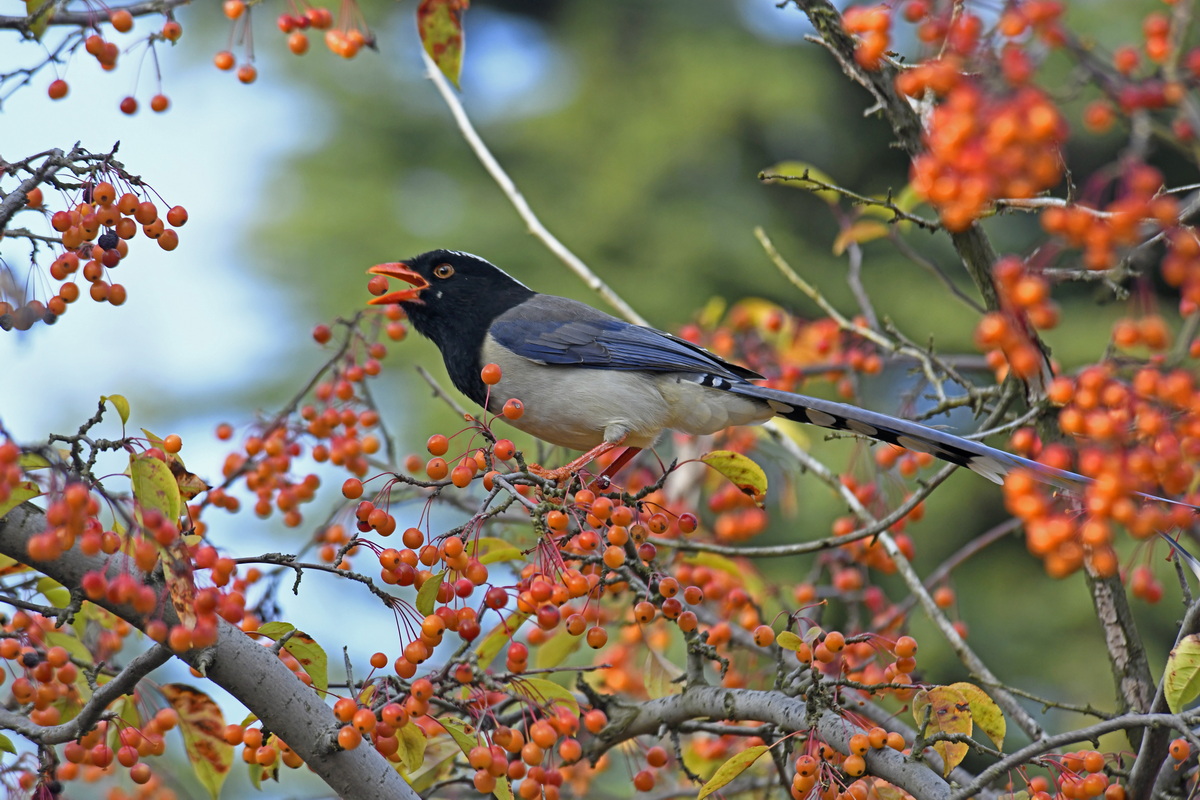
(453, 300)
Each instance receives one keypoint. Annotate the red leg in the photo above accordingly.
(618, 464)
(562, 473)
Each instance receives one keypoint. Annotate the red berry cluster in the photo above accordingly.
(1025, 304)
(1104, 232)
(95, 233)
(1135, 439)
(345, 38)
(982, 147)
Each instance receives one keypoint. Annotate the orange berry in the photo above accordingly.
(490, 374)
(57, 89)
(121, 20)
(349, 737)
(247, 73)
(224, 60)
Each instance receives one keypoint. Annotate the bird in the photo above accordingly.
(590, 381)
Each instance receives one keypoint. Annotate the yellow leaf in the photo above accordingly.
(742, 571)
(412, 746)
(545, 693)
(304, 649)
(499, 636)
(741, 470)
(792, 173)
(203, 726)
(984, 712)
(490, 549)
(947, 711)
(1181, 681)
(731, 769)
(660, 675)
(440, 24)
(25, 490)
(859, 233)
(39, 21)
(118, 400)
(788, 641)
(556, 650)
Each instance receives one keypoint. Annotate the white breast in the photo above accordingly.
(581, 408)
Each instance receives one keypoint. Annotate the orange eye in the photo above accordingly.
(443, 271)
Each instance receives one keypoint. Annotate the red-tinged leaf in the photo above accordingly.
(25, 490)
(859, 233)
(304, 649)
(985, 714)
(440, 25)
(741, 470)
(181, 584)
(1181, 682)
(203, 726)
(731, 769)
(154, 486)
(947, 711)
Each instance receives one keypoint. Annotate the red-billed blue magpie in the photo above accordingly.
(590, 381)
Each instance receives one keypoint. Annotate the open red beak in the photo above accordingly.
(398, 269)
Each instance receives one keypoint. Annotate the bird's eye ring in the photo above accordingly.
(443, 271)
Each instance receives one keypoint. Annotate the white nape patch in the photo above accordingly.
(821, 418)
(909, 443)
(780, 408)
(988, 467)
(862, 427)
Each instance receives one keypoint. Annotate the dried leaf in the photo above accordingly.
(203, 726)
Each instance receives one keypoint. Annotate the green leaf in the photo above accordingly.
(6, 745)
(154, 486)
(25, 490)
(118, 402)
(792, 173)
(1181, 681)
(440, 24)
(58, 595)
(545, 693)
(740, 470)
(203, 727)
(984, 712)
(465, 737)
(427, 595)
(739, 763)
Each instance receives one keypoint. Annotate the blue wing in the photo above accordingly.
(555, 330)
